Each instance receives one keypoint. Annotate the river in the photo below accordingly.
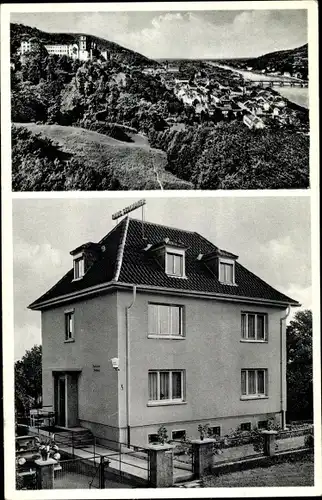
(298, 95)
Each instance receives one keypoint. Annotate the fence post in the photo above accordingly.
(101, 474)
(161, 465)
(73, 450)
(202, 456)
(269, 442)
(45, 473)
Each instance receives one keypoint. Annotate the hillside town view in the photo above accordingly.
(151, 119)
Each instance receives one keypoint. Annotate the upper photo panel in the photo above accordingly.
(153, 100)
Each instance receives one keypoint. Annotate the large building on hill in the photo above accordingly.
(83, 50)
(158, 326)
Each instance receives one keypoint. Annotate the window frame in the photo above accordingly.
(248, 424)
(255, 395)
(156, 436)
(256, 339)
(169, 400)
(79, 258)
(178, 430)
(262, 424)
(230, 262)
(168, 336)
(215, 427)
(69, 316)
(177, 252)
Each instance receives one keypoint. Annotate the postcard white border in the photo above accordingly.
(7, 264)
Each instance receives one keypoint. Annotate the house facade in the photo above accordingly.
(157, 326)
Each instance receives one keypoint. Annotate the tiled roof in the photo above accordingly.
(139, 267)
(102, 271)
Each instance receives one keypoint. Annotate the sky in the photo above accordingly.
(271, 236)
(184, 34)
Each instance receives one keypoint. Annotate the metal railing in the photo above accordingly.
(98, 471)
(67, 439)
(122, 460)
(183, 456)
(77, 473)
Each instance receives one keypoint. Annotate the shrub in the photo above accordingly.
(309, 440)
(162, 434)
(203, 430)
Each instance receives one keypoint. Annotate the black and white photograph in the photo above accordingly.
(160, 250)
(168, 354)
(160, 100)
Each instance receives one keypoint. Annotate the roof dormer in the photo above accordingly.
(171, 255)
(222, 264)
(83, 258)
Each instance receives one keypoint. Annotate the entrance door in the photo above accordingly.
(62, 401)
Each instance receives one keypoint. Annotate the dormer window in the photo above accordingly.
(84, 257)
(227, 271)
(79, 268)
(174, 264)
(222, 264)
(170, 255)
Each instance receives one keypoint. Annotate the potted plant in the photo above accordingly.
(162, 434)
(203, 429)
(48, 449)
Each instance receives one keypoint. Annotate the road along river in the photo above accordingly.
(298, 95)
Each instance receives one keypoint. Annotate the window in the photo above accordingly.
(166, 385)
(262, 424)
(254, 383)
(246, 426)
(214, 431)
(178, 435)
(227, 271)
(153, 438)
(69, 325)
(78, 268)
(175, 264)
(254, 326)
(165, 320)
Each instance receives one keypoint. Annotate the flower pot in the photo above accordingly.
(45, 456)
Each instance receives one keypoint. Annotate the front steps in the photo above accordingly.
(76, 437)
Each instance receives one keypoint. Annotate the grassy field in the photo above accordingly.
(136, 165)
(298, 473)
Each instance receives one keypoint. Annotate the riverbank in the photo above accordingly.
(298, 95)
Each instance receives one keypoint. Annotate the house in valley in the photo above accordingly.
(155, 326)
(253, 122)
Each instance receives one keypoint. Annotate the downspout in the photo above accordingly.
(282, 385)
(128, 392)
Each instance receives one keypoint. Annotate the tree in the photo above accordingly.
(28, 380)
(299, 373)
